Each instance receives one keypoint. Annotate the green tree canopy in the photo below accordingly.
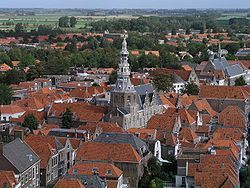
(27, 60)
(5, 94)
(14, 77)
(73, 21)
(240, 81)
(19, 28)
(67, 119)
(190, 89)
(113, 77)
(4, 58)
(164, 82)
(64, 21)
(31, 122)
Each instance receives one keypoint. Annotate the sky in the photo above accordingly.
(109, 4)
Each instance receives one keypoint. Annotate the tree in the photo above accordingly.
(15, 54)
(31, 122)
(163, 82)
(64, 21)
(67, 119)
(14, 77)
(4, 58)
(19, 28)
(73, 21)
(113, 77)
(240, 81)
(5, 94)
(190, 89)
(27, 60)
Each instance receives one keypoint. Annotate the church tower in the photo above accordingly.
(123, 95)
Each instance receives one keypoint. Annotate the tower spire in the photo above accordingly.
(123, 82)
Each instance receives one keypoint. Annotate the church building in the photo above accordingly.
(132, 106)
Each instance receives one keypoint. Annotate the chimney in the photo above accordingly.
(19, 134)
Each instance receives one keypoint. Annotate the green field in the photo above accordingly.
(8, 22)
(225, 17)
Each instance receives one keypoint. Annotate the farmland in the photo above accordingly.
(8, 21)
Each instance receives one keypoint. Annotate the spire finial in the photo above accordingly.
(124, 43)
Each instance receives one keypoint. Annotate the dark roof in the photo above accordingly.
(20, 155)
(144, 89)
(123, 138)
(93, 181)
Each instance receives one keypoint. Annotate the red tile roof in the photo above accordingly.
(143, 132)
(69, 183)
(11, 109)
(4, 67)
(86, 92)
(82, 111)
(7, 179)
(44, 146)
(228, 133)
(92, 151)
(106, 127)
(188, 134)
(104, 170)
(238, 120)
(223, 92)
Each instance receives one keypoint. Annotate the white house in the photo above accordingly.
(10, 111)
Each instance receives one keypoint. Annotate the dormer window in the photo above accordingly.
(109, 172)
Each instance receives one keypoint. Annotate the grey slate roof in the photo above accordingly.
(93, 181)
(20, 155)
(234, 70)
(143, 89)
(230, 70)
(123, 138)
(220, 63)
(141, 92)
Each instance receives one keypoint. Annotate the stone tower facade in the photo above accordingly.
(130, 106)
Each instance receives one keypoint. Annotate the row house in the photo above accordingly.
(123, 156)
(8, 179)
(81, 181)
(82, 113)
(18, 157)
(181, 77)
(23, 89)
(218, 71)
(106, 171)
(56, 156)
(10, 111)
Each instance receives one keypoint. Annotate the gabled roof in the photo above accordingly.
(92, 181)
(162, 122)
(123, 138)
(107, 127)
(143, 132)
(96, 151)
(104, 170)
(188, 134)
(7, 179)
(11, 109)
(239, 118)
(44, 146)
(202, 105)
(186, 117)
(223, 92)
(228, 133)
(20, 155)
(66, 183)
(4, 67)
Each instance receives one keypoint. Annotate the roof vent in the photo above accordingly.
(30, 157)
